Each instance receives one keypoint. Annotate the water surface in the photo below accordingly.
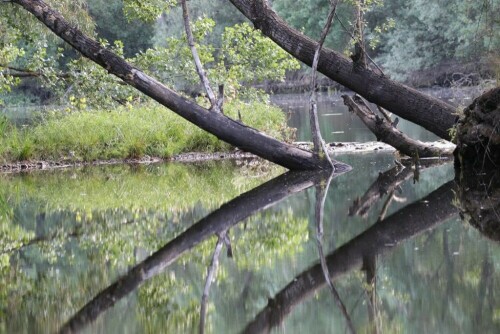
(127, 249)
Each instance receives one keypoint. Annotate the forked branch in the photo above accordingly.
(387, 133)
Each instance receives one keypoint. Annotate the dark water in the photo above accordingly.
(125, 249)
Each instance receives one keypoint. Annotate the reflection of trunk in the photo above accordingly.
(449, 268)
(485, 284)
(370, 268)
(382, 237)
(386, 183)
(216, 222)
(224, 128)
(480, 200)
(431, 113)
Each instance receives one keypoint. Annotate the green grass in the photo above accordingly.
(126, 133)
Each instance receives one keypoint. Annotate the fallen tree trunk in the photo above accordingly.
(428, 112)
(224, 128)
(386, 132)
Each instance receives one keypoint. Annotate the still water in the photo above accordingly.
(127, 249)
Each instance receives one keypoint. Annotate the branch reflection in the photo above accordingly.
(217, 222)
(358, 253)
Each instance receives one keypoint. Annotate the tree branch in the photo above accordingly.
(384, 131)
(431, 113)
(17, 72)
(199, 66)
(319, 144)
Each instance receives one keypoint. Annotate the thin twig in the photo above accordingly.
(385, 114)
(319, 144)
(362, 46)
(199, 67)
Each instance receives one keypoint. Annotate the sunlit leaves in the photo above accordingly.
(245, 56)
(147, 10)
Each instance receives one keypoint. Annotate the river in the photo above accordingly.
(127, 249)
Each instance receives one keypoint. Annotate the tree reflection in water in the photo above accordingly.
(362, 252)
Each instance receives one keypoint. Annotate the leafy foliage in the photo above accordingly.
(429, 33)
(112, 25)
(245, 56)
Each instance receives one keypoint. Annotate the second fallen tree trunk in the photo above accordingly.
(429, 112)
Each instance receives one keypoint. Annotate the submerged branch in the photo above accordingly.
(386, 132)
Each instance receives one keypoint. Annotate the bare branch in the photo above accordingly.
(17, 72)
(364, 50)
(384, 131)
(319, 144)
(199, 66)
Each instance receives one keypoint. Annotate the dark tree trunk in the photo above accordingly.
(388, 133)
(224, 128)
(428, 112)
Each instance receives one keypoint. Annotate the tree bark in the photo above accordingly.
(387, 133)
(224, 128)
(428, 112)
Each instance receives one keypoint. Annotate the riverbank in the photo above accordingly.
(337, 148)
(126, 133)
